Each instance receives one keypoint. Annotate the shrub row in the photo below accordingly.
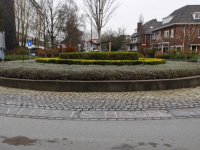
(101, 56)
(179, 56)
(99, 62)
(17, 57)
(96, 74)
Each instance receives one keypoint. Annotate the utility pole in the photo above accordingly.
(91, 36)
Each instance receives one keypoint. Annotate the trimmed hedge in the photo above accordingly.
(18, 57)
(99, 62)
(38, 71)
(178, 56)
(101, 56)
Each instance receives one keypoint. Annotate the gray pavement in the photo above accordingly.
(72, 135)
(171, 120)
(130, 101)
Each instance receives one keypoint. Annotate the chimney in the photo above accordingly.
(139, 26)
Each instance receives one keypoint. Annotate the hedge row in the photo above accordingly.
(96, 74)
(99, 62)
(101, 56)
(178, 56)
(17, 57)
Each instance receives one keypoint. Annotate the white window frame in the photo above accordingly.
(166, 36)
(157, 34)
(199, 33)
(172, 31)
(196, 16)
(154, 36)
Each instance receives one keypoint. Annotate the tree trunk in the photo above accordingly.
(99, 40)
(186, 54)
(52, 47)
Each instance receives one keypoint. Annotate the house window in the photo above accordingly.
(166, 34)
(157, 34)
(172, 33)
(167, 19)
(154, 36)
(134, 40)
(196, 15)
(199, 34)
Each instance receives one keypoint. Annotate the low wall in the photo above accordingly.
(101, 86)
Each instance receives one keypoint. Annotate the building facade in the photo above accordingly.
(179, 31)
(26, 19)
(147, 29)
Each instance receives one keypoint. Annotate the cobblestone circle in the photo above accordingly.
(120, 101)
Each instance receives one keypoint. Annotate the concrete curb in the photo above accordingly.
(101, 86)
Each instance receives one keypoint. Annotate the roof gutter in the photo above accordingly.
(176, 24)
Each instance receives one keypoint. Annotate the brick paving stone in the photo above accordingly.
(132, 101)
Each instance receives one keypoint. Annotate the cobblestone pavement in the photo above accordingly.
(132, 101)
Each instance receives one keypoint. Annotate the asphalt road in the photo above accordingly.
(173, 134)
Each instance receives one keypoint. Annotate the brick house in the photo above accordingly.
(179, 28)
(147, 27)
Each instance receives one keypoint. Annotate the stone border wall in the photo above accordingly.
(101, 86)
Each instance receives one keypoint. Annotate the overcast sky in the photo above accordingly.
(128, 13)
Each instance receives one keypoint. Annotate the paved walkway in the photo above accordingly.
(131, 101)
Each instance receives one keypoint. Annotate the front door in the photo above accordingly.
(194, 48)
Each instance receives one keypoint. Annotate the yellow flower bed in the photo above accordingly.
(148, 61)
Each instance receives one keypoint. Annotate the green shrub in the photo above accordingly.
(43, 71)
(182, 56)
(101, 56)
(17, 57)
(164, 56)
(152, 52)
(178, 56)
(99, 62)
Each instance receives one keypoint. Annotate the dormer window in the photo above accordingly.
(167, 19)
(196, 15)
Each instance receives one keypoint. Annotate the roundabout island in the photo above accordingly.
(105, 72)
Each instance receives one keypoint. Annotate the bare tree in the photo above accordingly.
(100, 11)
(73, 22)
(88, 35)
(53, 18)
(23, 19)
(187, 33)
(117, 38)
